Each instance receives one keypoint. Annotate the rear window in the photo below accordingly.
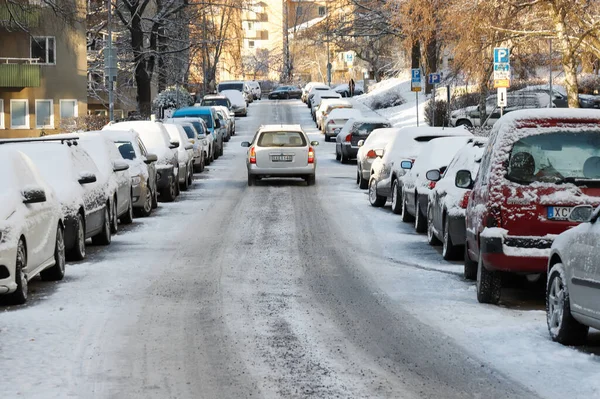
(207, 118)
(216, 101)
(556, 157)
(190, 132)
(282, 139)
(366, 128)
(231, 86)
(425, 139)
(126, 149)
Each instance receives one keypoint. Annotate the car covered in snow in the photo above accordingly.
(254, 89)
(185, 155)
(326, 107)
(238, 102)
(281, 151)
(314, 90)
(355, 130)
(318, 97)
(195, 141)
(226, 122)
(203, 144)
(573, 285)
(156, 139)
(212, 100)
(448, 203)
(387, 174)
(370, 149)
(213, 123)
(31, 226)
(336, 120)
(538, 166)
(309, 86)
(142, 169)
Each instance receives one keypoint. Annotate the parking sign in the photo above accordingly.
(415, 82)
(501, 55)
(435, 78)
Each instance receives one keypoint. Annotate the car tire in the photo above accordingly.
(190, 179)
(375, 200)
(169, 193)
(221, 150)
(420, 219)
(146, 210)
(396, 197)
(311, 180)
(431, 237)
(362, 183)
(127, 218)
(449, 250)
(489, 283)
(562, 326)
(57, 272)
(470, 267)
(405, 216)
(19, 297)
(251, 180)
(337, 154)
(343, 158)
(78, 250)
(186, 184)
(104, 237)
(326, 138)
(286, 96)
(464, 123)
(154, 198)
(114, 219)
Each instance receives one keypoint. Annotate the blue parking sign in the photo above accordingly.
(501, 55)
(435, 78)
(416, 75)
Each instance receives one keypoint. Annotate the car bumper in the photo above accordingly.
(515, 254)
(456, 229)
(365, 168)
(8, 258)
(164, 177)
(283, 172)
(349, 151)
(138, 197)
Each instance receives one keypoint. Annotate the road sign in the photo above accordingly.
(502, 100)
(501, 71)
(349, 57)
(501, 83)
(501, 55)
(435, 78)
(415, 82)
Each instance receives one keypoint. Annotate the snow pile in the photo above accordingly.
(385, 94)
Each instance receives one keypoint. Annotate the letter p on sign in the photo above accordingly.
(501, 55)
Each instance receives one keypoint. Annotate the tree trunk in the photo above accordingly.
(568, 58)
(431, 62)
(143, 78)
(415, 55)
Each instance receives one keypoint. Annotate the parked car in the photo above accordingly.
(281, 151)
(195, 141)
(539, 165)
(255, 89)
(185, 155)
(471, 116)
(238, 103)
(573, 288)
(448, 203)
(356, 129)
(211, 100)
(225, 122)
(31, 226)
(306, 89)
(237, 85)
(74, 177)
(336, 120)
(156, 139)
(318, 97)
(368, 150)
(285, 92)
(212, 123)
(314, 90)
(206, 140)
(326, 107)
(387, 175)
(142, 169)
(230, 116)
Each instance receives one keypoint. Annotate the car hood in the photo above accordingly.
(10, 201)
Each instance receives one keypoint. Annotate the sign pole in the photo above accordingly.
(417, 93)
(434, 105)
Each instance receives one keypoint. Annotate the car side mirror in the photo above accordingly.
(87, 178)
(433, 175)
(189, 147)
(379, 152)
(120, 166)
(406, 165)
(34, 195)
(582, 214)
(360, 143)
(245, 144)
(150, 158)
(315, 143)
(217, 123)
(463, 179)
(174, 144)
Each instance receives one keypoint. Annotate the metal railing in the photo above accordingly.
(7, 60)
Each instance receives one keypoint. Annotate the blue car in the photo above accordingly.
(208, 114)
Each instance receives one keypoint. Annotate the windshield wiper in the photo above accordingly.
(578, 181)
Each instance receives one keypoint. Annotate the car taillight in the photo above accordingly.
(348, 138)
(252, 155)
(371, 154)
(464, 202)
(431, 185)
(311, 155)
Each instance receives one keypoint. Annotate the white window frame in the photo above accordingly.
(54, 48)
(27, 116)
(51, 125)
(70, 100)
(2, 114)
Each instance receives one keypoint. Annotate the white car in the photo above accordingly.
(31, 227)
(197, 153)
(314, 90)
(238, 102)
(336, 120)
(308, 87)
(204, 144)
(368, 151)
(319, 96)
(255, 89)
(355, 130)
(326, 106)
(281, 151)
(185, 155)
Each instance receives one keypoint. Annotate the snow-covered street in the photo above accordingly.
(280, 291)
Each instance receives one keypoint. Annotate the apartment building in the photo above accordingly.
(43, 68)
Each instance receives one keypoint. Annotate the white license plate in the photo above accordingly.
(281, 158)
(559, 212)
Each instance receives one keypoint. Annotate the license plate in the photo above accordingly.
(559, 212)
(281, 158)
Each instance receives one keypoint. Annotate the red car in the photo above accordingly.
(538, 165)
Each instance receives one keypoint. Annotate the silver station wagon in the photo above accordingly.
(281, 151)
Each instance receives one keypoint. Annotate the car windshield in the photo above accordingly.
(207, 119)
(557, 157)
(231, 86)
(190, 132)
(215, 101)
(126, 149)
(282, 139)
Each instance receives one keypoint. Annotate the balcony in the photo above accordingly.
(16, 16)
(257, 17)
(259, 35)
(19, 72)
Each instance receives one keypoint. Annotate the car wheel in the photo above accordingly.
(374, 199)
(311, 180)
(343, 158)
(337, 154)
(114, 219)
(562, 326)
(286, 96)
(169, 193)
(431, 237)
(186, 184)
(78, 251)
(202, 164)
(470, 267)
(464, 123)
(362, 183)
(190, 179)
(396, 197)
(251, 180)
(326, 138)
(20, 295)
(405, 216)
(357, 177)
(489, 283)
(127, 218)
(449, 250)
(154, 198)
(57, 272)
(420, 219)
(221, 150)
(176, 184)
(146, 210)
(104, 238)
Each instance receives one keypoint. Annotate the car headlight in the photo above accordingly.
(136, 180)
(204, 142)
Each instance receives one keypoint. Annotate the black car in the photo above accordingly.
(285, 92)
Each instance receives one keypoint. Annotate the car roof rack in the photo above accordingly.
(69, 140)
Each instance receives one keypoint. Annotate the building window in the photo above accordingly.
(322, 11)
(19, 114)
(68, 109)
(1, 114)
(250, 43)
(44, 114)
(250, 25)
(43, 48)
